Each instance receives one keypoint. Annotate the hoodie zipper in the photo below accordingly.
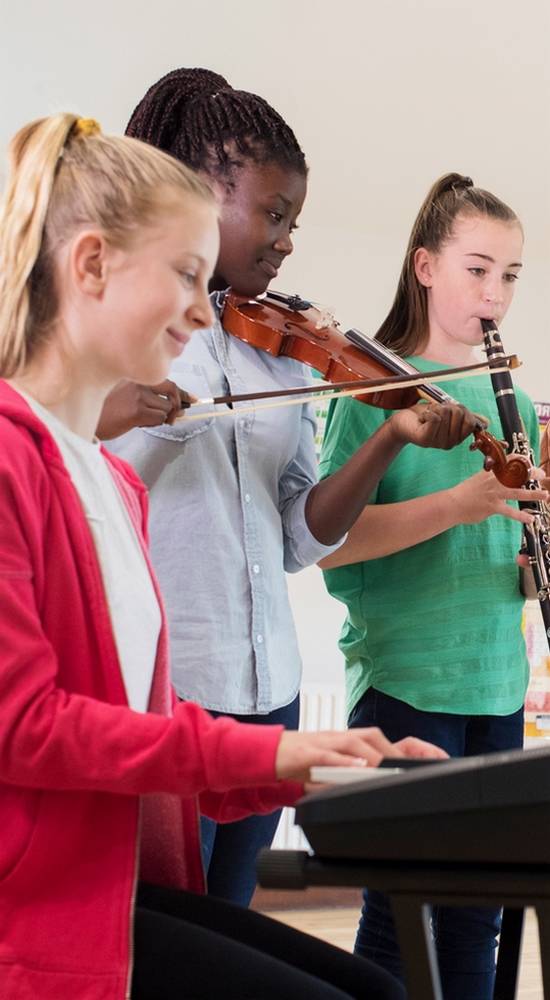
(131, 921)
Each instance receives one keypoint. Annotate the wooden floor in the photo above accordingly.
(337, 925)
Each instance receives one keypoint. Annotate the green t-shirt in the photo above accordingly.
(437, 625)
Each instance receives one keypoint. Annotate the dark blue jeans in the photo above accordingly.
(465, 938)
(230, 850)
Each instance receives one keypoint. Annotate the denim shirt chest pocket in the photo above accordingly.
(197, 419)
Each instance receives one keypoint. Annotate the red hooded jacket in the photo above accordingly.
(91, 792)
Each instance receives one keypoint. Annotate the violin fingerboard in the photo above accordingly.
(393, 362)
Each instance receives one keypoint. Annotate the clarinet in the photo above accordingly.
(536, 536)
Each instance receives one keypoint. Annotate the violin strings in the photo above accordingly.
(299, 400)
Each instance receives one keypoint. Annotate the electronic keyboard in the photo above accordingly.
(490, 808)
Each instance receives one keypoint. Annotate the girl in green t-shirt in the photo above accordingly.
(432, 639)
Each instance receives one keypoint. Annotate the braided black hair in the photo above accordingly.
(196, 116)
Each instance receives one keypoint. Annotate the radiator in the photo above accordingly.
(322, 706)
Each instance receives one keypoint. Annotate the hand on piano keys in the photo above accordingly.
(297, 753)
(387, 766)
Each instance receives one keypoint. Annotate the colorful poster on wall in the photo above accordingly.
(537, 704)
(543, 413)
(321, 411)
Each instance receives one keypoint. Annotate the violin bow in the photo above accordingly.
(334, 390)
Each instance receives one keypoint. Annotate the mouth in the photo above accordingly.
(268, 268)
(494, 317)
(181, 338)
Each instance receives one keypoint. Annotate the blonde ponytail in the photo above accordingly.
(33, 161)
(63, 173)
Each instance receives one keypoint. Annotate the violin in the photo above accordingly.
(290, 326)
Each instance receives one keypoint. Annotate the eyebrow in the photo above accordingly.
(191, 254)
(277, 194)
(485, 256)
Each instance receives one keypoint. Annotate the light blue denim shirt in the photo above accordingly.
(227, 498)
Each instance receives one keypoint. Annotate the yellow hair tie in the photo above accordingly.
(86, 127)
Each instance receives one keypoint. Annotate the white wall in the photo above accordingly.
(384, 97)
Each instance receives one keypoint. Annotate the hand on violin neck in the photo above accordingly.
(434, 425)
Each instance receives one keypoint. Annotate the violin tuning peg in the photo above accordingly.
(297, 303)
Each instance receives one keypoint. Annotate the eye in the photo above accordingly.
(477, 271)
(276, 216)
(510, 277)
(189, 278)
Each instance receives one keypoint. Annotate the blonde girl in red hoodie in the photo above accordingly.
(106, 249)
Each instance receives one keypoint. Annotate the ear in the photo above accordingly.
(423, 266)
(222, 190)
(223, 185)
(88, 262)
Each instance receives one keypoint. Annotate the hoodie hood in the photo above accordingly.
(15, 408)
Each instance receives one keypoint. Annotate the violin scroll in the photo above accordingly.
(510, 470)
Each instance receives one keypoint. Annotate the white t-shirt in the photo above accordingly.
(133, 605)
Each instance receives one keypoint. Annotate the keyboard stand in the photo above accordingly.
(414, 887)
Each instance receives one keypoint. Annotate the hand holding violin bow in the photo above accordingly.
(131, 405)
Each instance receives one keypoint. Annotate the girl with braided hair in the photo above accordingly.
(107, 246)
(235, 502)
(225, 134)
(432, 639)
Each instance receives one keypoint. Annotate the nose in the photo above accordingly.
(493, 291)
(283, 244)
(200, 313)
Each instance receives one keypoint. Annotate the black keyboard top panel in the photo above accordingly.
(509, 779)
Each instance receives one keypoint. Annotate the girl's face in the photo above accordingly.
(258, 216)
(154, 295)
(472, 277)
